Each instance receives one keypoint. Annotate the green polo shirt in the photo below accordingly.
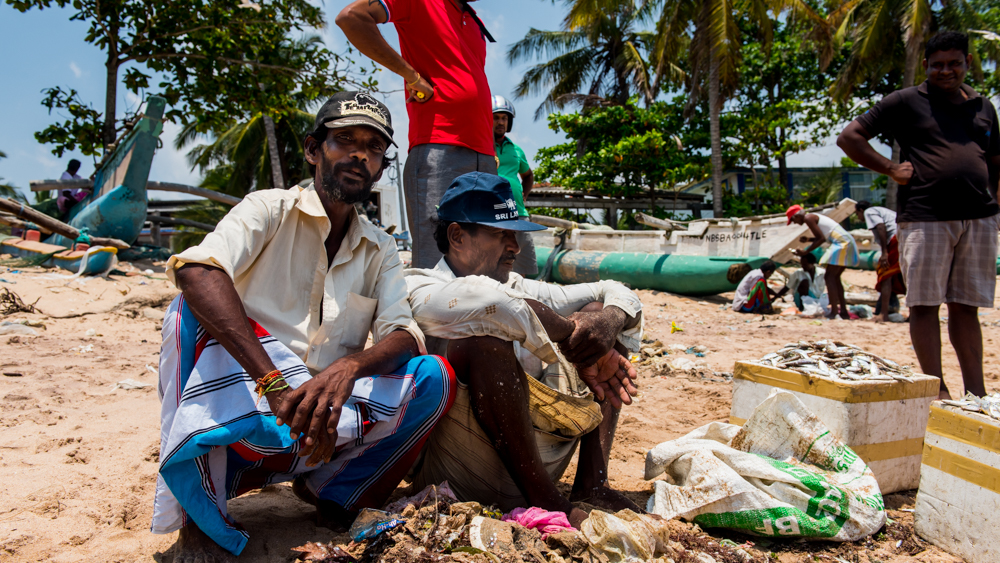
(512, 163)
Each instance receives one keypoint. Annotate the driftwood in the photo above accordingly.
(553, 222)
(54, 225)
(8, 219)
(651, 221)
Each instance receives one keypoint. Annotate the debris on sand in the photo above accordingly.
(11, 303)
(439, 528)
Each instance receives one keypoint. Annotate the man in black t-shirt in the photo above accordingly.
(947, 176)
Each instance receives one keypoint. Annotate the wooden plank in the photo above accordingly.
(56, 226)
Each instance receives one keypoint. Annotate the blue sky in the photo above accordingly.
(44, 49)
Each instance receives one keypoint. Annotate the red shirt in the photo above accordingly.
(448, 49)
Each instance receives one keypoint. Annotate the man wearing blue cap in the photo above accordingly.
(515, 423)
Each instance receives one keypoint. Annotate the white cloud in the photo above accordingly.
(76, 70)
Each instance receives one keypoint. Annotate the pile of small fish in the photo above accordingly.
(988, 405)
(835, 360)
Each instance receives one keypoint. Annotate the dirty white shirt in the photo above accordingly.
(451, 308)
(272, 246)
(746, 286)
(817, 283)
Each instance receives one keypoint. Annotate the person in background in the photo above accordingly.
(442, 61)
(514, 167)
(807, 282)
(71, 171)
(882, 223)
(948, 173)
(753, 295)
(67, 198)
(842, 254)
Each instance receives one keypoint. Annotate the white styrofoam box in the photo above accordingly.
(882, 421)
(958, 504)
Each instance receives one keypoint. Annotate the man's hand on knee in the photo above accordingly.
(314, 410)
(611, 378)
(593, 336)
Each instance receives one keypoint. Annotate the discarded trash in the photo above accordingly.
(370, 523)
(328, 553)
(862, 311)
(627, 536)
(83, 349)
(7, 327)
(835, 360)
(988, 405)
(152, 370)
(129, 384)
(674, 328)
(430, 493)
(697, 351)
(11, 303)
(896, 318)
(682, 364)
(90, 332)
(783, 474)
(539, 519)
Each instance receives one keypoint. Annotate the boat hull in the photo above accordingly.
(98, 260)
(684, 275)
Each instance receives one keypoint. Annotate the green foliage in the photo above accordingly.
(846, 162)
(763, 200)
(219, 62)
(825, 188)
(82, 130)
(561, 213)
(781, 106)
(600, 54)
(624, 150)
(7, 190)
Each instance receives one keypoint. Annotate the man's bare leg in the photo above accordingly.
(925, 334)
(885, 294)
(967, 340)
(591, 482)
(835, 288)
(194, 546)
(498, 392)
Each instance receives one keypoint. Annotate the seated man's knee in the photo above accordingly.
(468, 354)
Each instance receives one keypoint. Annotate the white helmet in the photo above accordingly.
(501, 105)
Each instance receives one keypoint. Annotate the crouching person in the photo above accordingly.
(264, 375)
(511, 434)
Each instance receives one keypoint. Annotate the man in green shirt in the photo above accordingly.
(513, 167)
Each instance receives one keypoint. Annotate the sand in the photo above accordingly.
(78, 455)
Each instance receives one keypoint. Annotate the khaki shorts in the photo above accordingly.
(949, 261)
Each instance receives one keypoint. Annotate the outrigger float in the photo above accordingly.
(108, 219)
(703, 257)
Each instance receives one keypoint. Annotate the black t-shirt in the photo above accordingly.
(949, 146)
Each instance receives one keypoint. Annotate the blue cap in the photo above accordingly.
(483, 199)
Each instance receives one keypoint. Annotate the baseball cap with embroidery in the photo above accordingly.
(484, 199)
(347, 109)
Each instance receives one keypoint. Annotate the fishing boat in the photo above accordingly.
(702, 257)
(115, 208)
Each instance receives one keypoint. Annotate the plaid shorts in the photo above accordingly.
(949, 261)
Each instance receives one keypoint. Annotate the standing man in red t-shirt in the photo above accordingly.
(443, 46)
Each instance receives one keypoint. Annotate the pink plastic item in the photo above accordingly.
(542, 520)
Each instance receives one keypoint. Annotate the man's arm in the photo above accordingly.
(527, 182)
(818, 238)
(359, 22)
(853, 140)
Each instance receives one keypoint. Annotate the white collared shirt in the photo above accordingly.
(272, 244)
(451, 308)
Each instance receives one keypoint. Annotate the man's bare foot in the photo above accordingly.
(328, 513)
(193, 546)
(606, 498)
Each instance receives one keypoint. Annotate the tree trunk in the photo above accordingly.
(277, 177)
(714, 108)
(913, 55)
(783, 173)
(110, 90)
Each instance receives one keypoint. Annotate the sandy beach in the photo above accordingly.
(79, 443)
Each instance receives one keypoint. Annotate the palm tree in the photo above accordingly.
(247, 148)
(707, 34)
(888, 34)
(598, 55)
(7, 190)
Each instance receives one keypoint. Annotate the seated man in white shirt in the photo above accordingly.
(753, 295)
(270, 331)
(511, 434)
